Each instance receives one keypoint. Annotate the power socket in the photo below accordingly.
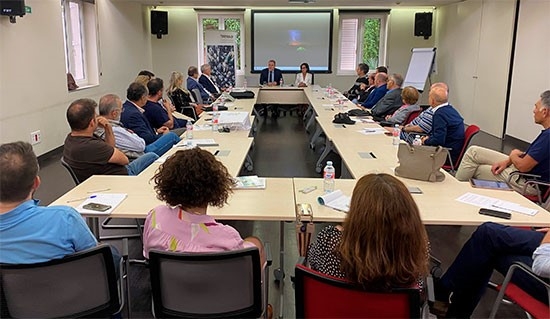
(36, 137)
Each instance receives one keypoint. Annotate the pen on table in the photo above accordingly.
(79, 199)
(216, 152)
(369, 131)
(98, 191)
(343, 126)
(372, 154)
(238, 108)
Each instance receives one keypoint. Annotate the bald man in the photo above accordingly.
(448, 126)
(380, 82)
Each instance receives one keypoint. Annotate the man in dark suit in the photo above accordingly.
(380, 81)
(271, 76)
(132, 118)
(390, 102)
(206, 80)
(193, 83)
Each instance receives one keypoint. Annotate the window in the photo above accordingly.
(80, 38)
(222, 21)
(362, 40)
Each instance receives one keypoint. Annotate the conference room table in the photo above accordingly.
(277, 202)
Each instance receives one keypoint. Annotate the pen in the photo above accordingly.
(343, 126)
(101, 190)
(216, 152)
(79, 199)
(372, 154)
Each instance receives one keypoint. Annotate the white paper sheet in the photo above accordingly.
(112, 200)
(495, 204)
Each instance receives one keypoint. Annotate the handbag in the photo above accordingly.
(421, 162)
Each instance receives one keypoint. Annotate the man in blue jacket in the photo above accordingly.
(448, 125)
(380, 81)
(193, 83)
(271, 76)
(207, 82)
(132, 118)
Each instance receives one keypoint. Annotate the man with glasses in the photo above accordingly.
(110, 107)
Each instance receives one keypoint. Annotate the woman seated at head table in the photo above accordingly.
(382, 243)
(304, 78)
(188, 182)
(181, 97)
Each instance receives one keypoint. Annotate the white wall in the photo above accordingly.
(177, 50)
(473, 53)
(32, 67)
(531, 75)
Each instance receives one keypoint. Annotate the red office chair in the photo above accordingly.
(533, 307)
(542, 197)
(412, 116)
(321, 296)
(470, 132)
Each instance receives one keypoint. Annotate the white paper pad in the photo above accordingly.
(495, 204)
(112, 200)
(197, 142)
(204, 127)
(336, 200)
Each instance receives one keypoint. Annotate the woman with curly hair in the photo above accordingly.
(382, 243)
(189, 181)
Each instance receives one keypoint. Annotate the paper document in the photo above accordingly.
(197, 142)
(336, 200)
(372, 131)
(495, 204)
(249, 182)
(112, 200)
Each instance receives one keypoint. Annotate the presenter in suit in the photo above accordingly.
(271, 76)
(206, 80)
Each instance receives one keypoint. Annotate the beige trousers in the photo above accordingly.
(477, 163)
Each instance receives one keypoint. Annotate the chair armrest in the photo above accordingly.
(520, 174)
(523, 267)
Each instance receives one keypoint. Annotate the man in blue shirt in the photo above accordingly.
(158, 114)
(482, 163)
(193, 83)
(380, 81)
(32, 233)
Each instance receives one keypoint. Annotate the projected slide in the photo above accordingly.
(291, 38)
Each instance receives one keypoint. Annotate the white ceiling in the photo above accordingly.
(287, 5)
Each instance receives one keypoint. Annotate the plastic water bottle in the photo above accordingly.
(417, 140)
(328, 178)
(330, 91)
(215, 120)
(396, 132)
(245, 84)
(282, 82)
(189, 130)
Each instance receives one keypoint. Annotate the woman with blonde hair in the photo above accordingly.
(181, 97)
(382, 243)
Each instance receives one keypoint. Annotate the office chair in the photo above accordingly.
(542, 197)
(70, 170)
(208, 285)
(186, 110)
(81, 284)
(412, 116)
(322, 296)
(197, 95)
(469, 133)
(533, 307)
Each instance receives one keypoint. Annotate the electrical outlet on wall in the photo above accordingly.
(36, 137)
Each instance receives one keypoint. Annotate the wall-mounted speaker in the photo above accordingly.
(423, 24)
(159, 23)
(12, 7)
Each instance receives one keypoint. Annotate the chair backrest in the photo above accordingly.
(81, 284)
(412, 116)
(469, 133)
(69, 168)
(197, 95)
(321, 296)
(206, 285)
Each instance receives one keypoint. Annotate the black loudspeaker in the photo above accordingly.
(12, 7)
(423, 24)
(159, 23)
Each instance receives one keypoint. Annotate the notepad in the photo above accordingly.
(249, 182)
(335, 200)
(112, 200)
(197, 142)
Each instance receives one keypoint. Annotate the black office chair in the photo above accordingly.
(208, 285)
(79, 285)
(70, 170)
